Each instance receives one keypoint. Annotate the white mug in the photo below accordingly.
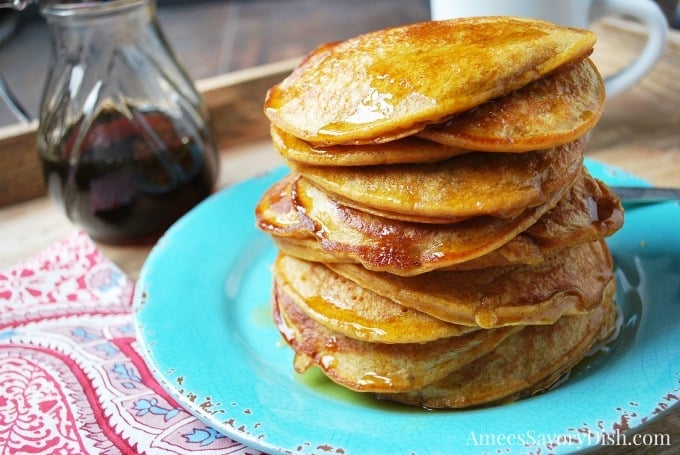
(575, 13)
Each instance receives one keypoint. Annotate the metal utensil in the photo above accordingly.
(645, 194)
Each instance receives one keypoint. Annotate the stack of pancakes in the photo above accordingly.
(440, 241)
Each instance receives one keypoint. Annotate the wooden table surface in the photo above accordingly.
(639, 131)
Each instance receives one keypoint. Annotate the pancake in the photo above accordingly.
(526, 363)
(590, 211)
(343, 307)
(391, 83)
(407, 150)
(553, 110)
(571, 281)
(326, 231)
(377, 367)
(330, 232)
(502, 185)
(518, 251)
(277, 215)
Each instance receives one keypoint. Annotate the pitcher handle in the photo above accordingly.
(651, 16)
(12, 102)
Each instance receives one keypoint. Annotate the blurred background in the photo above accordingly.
(213, 37)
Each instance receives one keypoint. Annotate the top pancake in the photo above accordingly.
(391, 83)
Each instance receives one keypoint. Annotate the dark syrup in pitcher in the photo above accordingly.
(126, 179)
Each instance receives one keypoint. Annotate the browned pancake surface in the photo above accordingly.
(571, 281)
(553, 110)
(377, 367)
(277, 214)
(341, 306)
(525, 363)
(391, 83)
(407, 150)
(330, 232)
(471, 185)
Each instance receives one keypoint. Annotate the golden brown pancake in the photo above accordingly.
(277, 214)
(475, 184)
(404, 248)
(556, 109)
(590, 211)
(391, 83)
(407, 150)
(526, 363)
(377, 367)
(571, 281)
(326, 231)
(341, 306)
(520, 250)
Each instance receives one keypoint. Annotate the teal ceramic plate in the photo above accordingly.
(203, 322)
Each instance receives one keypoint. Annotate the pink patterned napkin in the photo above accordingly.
(71, 378)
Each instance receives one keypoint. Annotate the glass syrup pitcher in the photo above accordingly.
(123, 134)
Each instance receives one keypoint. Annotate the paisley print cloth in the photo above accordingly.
(71, 378)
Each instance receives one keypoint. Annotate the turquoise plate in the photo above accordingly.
(204, 327)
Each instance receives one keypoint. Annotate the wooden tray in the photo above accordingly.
(643, 120)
